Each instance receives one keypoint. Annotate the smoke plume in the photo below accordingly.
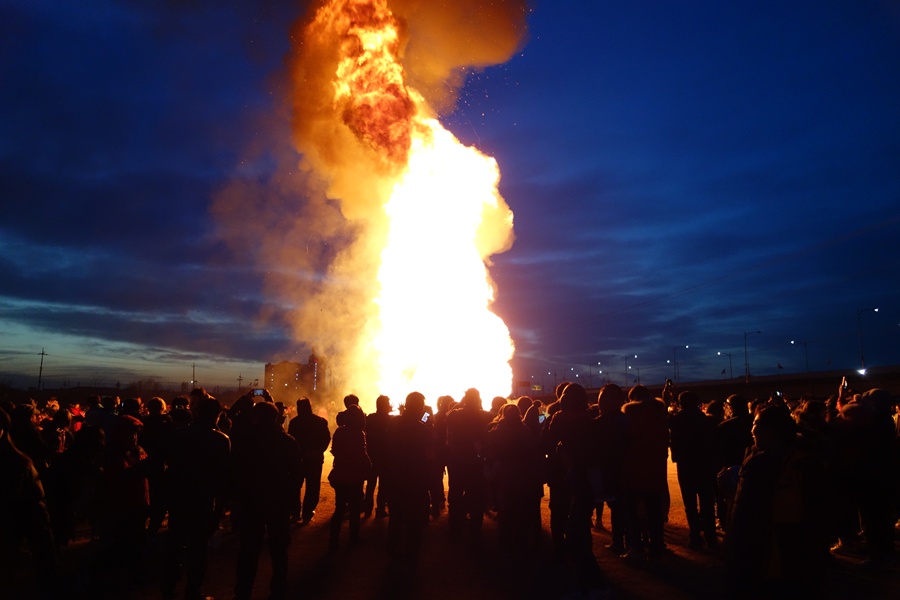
(326, 225)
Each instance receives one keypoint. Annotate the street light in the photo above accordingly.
(730, 370)
(862, 358)
(806, 351)
(626, 370)
(746, 358)
(675, 362)
(591, 374)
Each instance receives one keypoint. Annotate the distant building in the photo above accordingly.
(287, 381)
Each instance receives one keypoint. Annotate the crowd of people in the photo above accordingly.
(775, 485)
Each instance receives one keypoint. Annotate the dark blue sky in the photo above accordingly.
(680, 173)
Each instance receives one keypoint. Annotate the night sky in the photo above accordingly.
(681, 174)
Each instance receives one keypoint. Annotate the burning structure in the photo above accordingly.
(404, 303)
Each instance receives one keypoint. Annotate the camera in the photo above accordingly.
(542, 418)
(425, 417)
(259, 392)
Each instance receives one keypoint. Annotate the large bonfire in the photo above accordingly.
(406, 303)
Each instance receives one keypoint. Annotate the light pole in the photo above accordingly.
(862, 357)
(730, 370)
(675, 362)
(806, 352)
(746, 357)
(591, 374)
(626, 369)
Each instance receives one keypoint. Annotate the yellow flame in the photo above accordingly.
(433, 330)
(437, 333)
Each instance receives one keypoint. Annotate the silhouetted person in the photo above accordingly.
(377, 437)
(439, 422)
(133, 407)
(611, 440)
(436, 498)
(693, 452)
(312, 436)
(123, 500)
(716, 410)
(533, 418)
(867, 442)
(197, 469)
(76, 476)
(266, 474)
(572, 428)
(180, 412)
(23, 514)
(514, 457)
(102, 413)
(733, 440)
(410, 462)
(524, 403)
(646, 482)
(197, 394)
(350, 470)
(241, 416)
(467, 428)
(57, 436)
(26, 435)
(349, 400)
(876, 510)
(91, 403)
(534, 421)
(555, 475)
(774, 545)
(56, 432)
(154, 439)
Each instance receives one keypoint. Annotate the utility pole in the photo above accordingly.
(41, 370)
(193, 375)
(747, 357)
(240, 380)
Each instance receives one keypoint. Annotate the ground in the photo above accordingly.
(446, 569)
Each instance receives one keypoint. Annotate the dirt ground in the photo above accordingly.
(448, 569)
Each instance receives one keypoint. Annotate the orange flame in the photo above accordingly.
(426, 208)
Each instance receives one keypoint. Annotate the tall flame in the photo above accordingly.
(425, 209)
